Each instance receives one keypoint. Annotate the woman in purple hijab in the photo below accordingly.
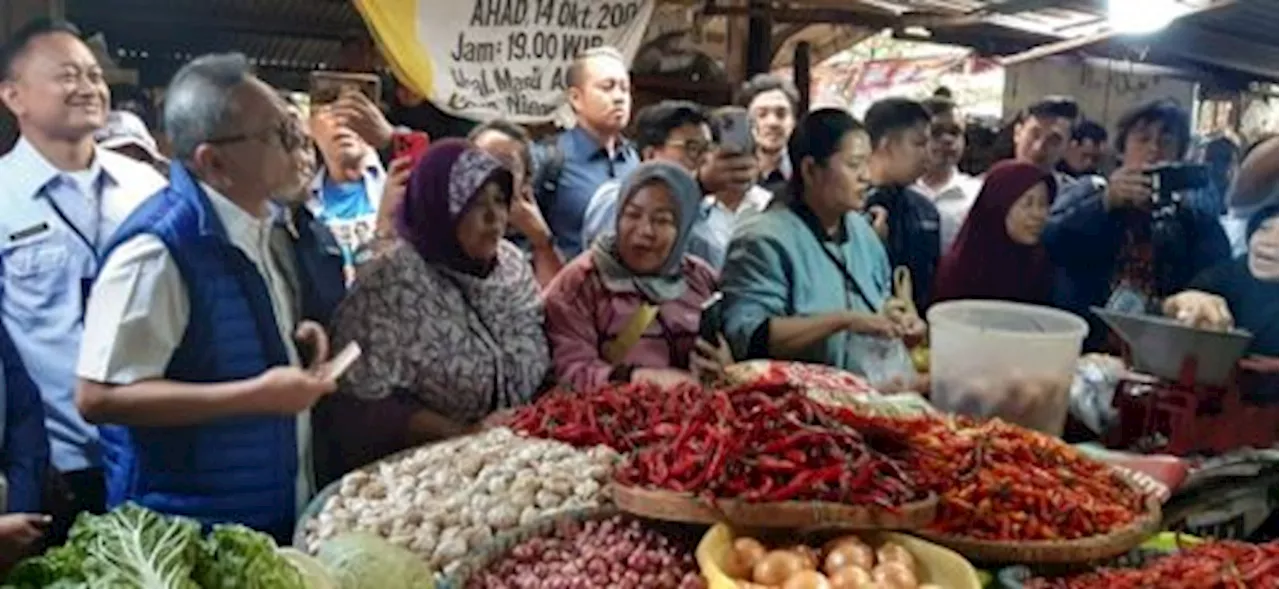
(448, 317)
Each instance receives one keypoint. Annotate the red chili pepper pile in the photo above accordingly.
(1212, 565)
(768, 443)
(623, 417)
(998, 481)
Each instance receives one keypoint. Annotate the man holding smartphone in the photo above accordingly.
(349, 184)
(190, 361)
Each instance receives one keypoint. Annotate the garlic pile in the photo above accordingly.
(444, 500)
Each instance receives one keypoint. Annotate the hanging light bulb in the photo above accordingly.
(1140, 17)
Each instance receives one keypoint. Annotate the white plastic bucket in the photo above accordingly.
(1003, 359)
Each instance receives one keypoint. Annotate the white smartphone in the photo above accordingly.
(344, 360)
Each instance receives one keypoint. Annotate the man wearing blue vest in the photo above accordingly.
(189, 362)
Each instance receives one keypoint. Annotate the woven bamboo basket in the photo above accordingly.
(316, 505)
(687, 508)
(1057, 552)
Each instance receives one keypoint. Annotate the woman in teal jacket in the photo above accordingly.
(808, 279)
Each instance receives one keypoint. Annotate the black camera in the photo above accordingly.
(1169, 180)
(1170, 223)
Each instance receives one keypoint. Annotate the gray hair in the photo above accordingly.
(198, 102)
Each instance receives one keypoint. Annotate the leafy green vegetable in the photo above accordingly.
(365, 561)
(135, 548)
(236, 557)
(129, 548)
(59, 567)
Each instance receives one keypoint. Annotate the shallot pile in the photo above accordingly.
(616, 552)
(1212, 565)
(444, 500)
(999, 481)
(768, 445)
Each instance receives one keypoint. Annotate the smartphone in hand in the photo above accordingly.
(343, 362)
(711, 321)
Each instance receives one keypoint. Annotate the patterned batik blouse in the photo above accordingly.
(463, 346)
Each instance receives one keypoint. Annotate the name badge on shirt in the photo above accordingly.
(28, 233)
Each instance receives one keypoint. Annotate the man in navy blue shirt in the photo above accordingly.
(24, 457)
(593, 151)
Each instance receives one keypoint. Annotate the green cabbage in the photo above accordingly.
(365, 561)
(236, 557)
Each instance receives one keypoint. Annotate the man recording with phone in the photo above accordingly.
(348, 128)
(1142, 235)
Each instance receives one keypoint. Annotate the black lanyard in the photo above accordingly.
(92, 244)
(844, 270)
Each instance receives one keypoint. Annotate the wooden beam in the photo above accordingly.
(806, 15)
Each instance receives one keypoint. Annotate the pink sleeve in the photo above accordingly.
(571, 304)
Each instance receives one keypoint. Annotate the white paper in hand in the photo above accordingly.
(343, 362)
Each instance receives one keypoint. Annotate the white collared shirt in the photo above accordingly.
(719, 222)
(139, 311)
(953, 199)
(52, 229)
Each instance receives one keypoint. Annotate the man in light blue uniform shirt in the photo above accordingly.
(62, 198)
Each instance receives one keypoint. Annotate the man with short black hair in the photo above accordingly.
(191, 357)
(63, 198)
(1084, 153)
(1113, 244)
(576, 163)
(1043, 129)
(772, 102)
(906, 220)
(676, 131)
(951, 190)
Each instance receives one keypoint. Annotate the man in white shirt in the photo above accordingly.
(189, 350)
(62, 198)
(951, 190)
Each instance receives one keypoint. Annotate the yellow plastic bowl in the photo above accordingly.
(935, 564)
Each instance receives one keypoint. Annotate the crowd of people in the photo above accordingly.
(202, 300)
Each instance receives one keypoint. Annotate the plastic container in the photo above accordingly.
(1007, 360)
(934, 564)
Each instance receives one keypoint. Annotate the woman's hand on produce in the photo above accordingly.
(708, 361)
(1260, 364)
(872, 324)
(665, 377)
(1199, 309)
(289, 390)
(20, 531)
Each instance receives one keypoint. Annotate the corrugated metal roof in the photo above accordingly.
(158, 35)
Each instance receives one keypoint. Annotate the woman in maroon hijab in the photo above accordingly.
(448, 317)
(998, 253)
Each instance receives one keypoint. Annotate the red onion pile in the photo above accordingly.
(616, 552)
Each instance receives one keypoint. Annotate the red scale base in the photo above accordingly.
(1183, 418)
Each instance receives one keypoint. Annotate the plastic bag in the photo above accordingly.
(885, 362)
(1093, 390)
